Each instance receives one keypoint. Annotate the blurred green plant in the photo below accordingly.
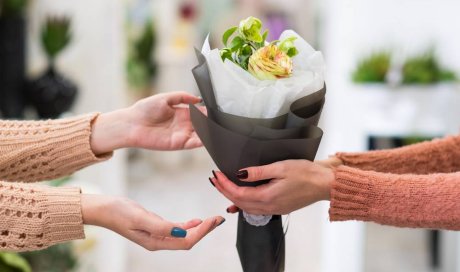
(140, 66)
(59, 181)
(425, 69)
(55, 36)
(13, 262)
(373, 68)
(58, 258)
(11, 8)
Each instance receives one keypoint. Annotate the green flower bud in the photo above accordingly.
(250, 28)
(270, 62)
(287, 46)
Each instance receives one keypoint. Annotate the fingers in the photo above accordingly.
(177, 98)
(162, 228)
(270, 171)
(241, 196)
(194, 235)
(233, 209)
(204, 110)
(190, 224)
(193, 142)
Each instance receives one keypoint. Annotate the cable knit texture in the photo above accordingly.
(425, 196)
(33, 216)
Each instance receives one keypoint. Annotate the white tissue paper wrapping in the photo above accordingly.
(239, 93)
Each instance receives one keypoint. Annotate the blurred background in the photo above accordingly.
(393, 71)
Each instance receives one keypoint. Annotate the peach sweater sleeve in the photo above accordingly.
(436, 156)
(34, 216)
(407, 200)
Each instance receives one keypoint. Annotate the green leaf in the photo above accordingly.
(227, 34)
(226, 53)
(264, 36)
(287, 46)
(292, 52)
(13, 262)
(250, 28)
(236, 43)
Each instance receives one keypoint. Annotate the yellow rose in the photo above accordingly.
(269, 62)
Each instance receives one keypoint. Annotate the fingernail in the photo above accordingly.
(178, 232)
(221, 222)
(242, 174)
(228, 210)
(214, 173)
(212, 183)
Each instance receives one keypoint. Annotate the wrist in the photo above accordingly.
(110, 132)
(324, 177)
(94, 208)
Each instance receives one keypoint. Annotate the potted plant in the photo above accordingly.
(12, 56)
(52, 94)
(141, 68)
(373, 68)
(417, 102)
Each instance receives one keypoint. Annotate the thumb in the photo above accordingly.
(177, 98)
(159, 227)
(256, 173)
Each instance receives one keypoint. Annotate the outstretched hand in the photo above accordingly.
(145, 228)
(159, 122)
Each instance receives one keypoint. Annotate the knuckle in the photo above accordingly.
(257, 173)
(151, 247)
(188, 245)
(283, 167)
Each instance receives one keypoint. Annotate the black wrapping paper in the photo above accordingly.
(236, 142)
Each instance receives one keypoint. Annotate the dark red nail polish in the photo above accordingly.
(228, 210)
(212, 183)
(242, 174)
(214, 173)
(221, 222)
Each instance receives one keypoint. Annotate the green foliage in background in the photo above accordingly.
(55, 35)
(425, 69)
(13, 262)
(373, 68)
(58, 258)
(141, 67)
(10, 8)
(59, 181)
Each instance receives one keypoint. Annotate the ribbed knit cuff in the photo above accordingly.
(363, 160)
(46, 150)
(71, 141)
(350, 195)
(63, 215)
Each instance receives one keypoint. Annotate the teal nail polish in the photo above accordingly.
(178, 232)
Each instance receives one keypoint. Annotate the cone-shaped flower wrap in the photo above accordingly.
(263, 103)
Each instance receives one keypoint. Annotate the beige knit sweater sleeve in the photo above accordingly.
(33, 217)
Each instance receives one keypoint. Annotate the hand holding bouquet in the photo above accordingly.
(264, 100)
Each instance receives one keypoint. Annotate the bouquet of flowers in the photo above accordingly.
(264, 100)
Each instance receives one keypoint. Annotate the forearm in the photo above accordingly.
(421, 201)
(41, 150)
(35, 217)
(437, 156)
